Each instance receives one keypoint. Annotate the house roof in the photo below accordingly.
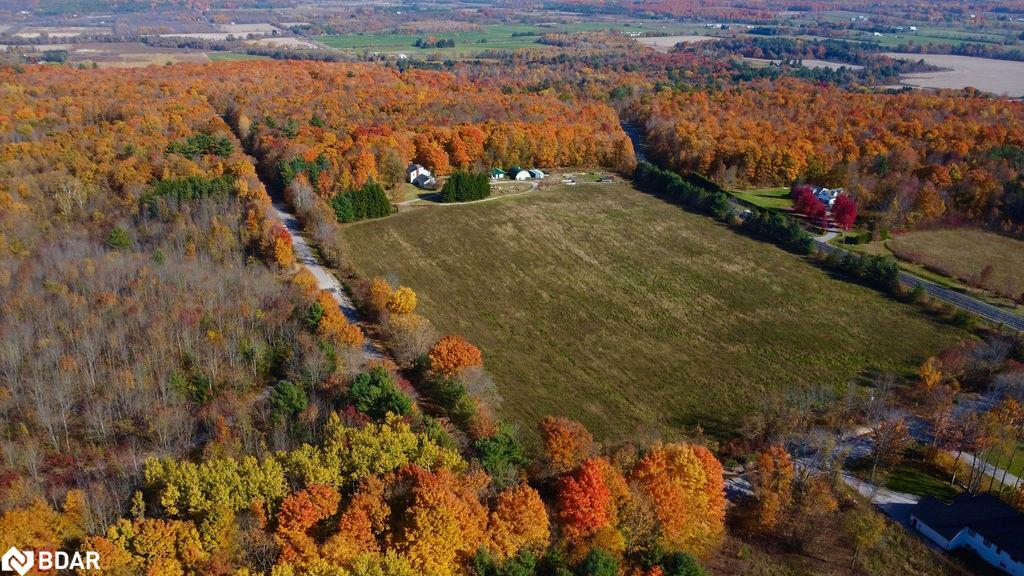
(423, 180)
(985, 513)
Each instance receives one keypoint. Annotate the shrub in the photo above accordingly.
(598, 563)
(286, 400)
(681, 564)
(375, 394)
(118, 239)
(501, 455)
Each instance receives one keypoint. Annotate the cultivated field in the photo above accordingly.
(130, 54)
(808, 63)
(1002, 77)
(608, 305)
(666, 43)
(964, 254)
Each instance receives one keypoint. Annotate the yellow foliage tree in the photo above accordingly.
(445, 524)
(402, 301)
(930, 374)
(380, 294)
(305, 280)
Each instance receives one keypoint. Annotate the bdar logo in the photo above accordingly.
(15, 560)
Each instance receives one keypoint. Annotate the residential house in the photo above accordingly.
(827, 196)
(981, 523)
(425, 181)
(414, 171)
(497, 174)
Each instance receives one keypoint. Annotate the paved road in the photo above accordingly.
(992, 470)
(973, 305)
(325, 279)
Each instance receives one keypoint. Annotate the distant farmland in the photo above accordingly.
(608, 305)
(1002, 77)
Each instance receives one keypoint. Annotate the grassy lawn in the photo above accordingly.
(912, 476)
(611, 306)
(921, 479)
(1015, 466)
(771, 198)
(963, 253)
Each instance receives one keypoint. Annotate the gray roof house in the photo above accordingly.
(982, 523)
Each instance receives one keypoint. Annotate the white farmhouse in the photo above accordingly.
(415, 171)
(983, 524)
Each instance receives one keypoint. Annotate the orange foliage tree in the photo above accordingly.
(299, 513)
(518, 522)
(686, 486)
(773, 488)
(566, 442)
(453, 354)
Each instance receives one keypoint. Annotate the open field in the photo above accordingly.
(130, 54)
(808, 63)
(488, 37)
(283, 42)
(1001, 77)
(666, 43)
(613, 307)
(60, 31)
(771, 198)
(964, 253)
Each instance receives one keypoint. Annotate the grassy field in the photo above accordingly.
(232, 56)
(771, 198)
(487, 37)
(963, 254)
(608, 305)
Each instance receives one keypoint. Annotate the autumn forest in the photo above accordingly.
(186, 389)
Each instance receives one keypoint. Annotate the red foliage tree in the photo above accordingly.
(584, 501)
(844, 212)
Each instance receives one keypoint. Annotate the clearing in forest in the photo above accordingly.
(610, 306)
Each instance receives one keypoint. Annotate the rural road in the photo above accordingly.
(973, 305)
(415, 201)
(325, 279)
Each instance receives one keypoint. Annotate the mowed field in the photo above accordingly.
(964, 253)
(613, 307)
(1000, 77)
